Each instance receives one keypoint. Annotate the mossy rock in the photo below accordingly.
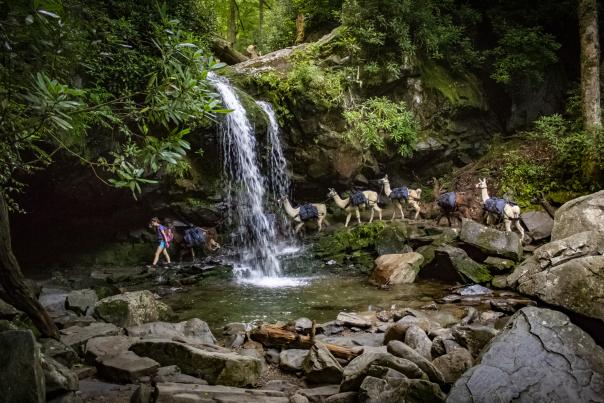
(348, 240)
(461, 90)
(393, 238)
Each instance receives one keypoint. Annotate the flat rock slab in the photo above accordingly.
(193, 330)
(77, 336)
(179, 392)
(81, 301)
(107, 346)
(319, 394)
(353, 320)
(131, 309)
(355, 340)
(217, 368)
(126, 367)
(539, 356)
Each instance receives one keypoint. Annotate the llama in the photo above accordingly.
(372, 202)
(294, 213)
(454, 204)
(509, 213)
(413, 197)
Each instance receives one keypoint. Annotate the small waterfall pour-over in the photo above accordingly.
(256, 236)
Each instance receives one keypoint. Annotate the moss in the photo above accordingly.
(350, 239)
(116, 312)
(116, 254)
(461, 90)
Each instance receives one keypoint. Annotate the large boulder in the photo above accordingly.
(578, 215)
(581, 244)
(182, 392)
(539, 356)
(467, 269)
(126, 367)
(131, 309)
(418, 340)
(215, 367)
(21, 375)
(491, 241)
(353, 320)
(538, 223)
(577, 285)
(320, 366)
(375, 390)
(357, 369)
(397, 268)
(192, 331)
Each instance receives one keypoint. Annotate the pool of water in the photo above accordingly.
(318, 297)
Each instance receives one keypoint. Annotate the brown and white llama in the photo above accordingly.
(294, 213)
(412, 199)
(511, 212)
(372, 202)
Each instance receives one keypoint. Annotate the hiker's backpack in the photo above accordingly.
(358, 199)
(308, 212)
(194, 236)
(168, 235)
(446, 201)
(400, 194)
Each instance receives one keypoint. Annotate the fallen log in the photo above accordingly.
(225, 52)
(271, 335)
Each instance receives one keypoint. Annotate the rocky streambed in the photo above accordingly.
(380, 313)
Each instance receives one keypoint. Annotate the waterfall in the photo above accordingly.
(256, 237)
(277, 169)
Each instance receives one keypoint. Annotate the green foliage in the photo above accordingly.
(378, 120)
(523, 52)
(524, 179)
(138, 82)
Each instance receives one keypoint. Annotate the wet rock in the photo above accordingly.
(578, 215)
(76, 337)
(401, 350)
(181, 392)
(510, 305)
(55, 349)
(438, 346)
(352, 319)
(471, 316)
(384, 316)
(303, 325)
(398, 268)
(215, 367)
(272, 356)
(131, 309)
(53, 300)
(452, 365)
(20, 368)
(320, 366)
(538, 223)
(539, 356)
(467, 269)
(298, 399)
(126, 367)
(473, 337)
(451, 345)
(499, 282)
(330, 328)
(374, 390)
(292, 359)
(81, 301)
(319, 394)
(419, 341)
(58, 378)
(377, 371)
(491, 241)
(345, 397)
(472, 290)
(193, 331)
(490, 317)
(357, 369)
(499, 265)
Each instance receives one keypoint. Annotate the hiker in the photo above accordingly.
(164, 237)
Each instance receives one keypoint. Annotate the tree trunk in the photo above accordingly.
(18, 292)
(590, 83)
(225, 52)
(232, 33)
(300, 28)
(260, 23)
(271, 335)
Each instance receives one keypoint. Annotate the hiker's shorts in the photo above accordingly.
(162, 244)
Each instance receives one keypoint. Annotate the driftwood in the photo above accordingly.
(270, 335)
(225, 52)
(551, 210)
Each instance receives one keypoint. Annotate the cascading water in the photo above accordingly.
(256, 237)
(277, 169)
